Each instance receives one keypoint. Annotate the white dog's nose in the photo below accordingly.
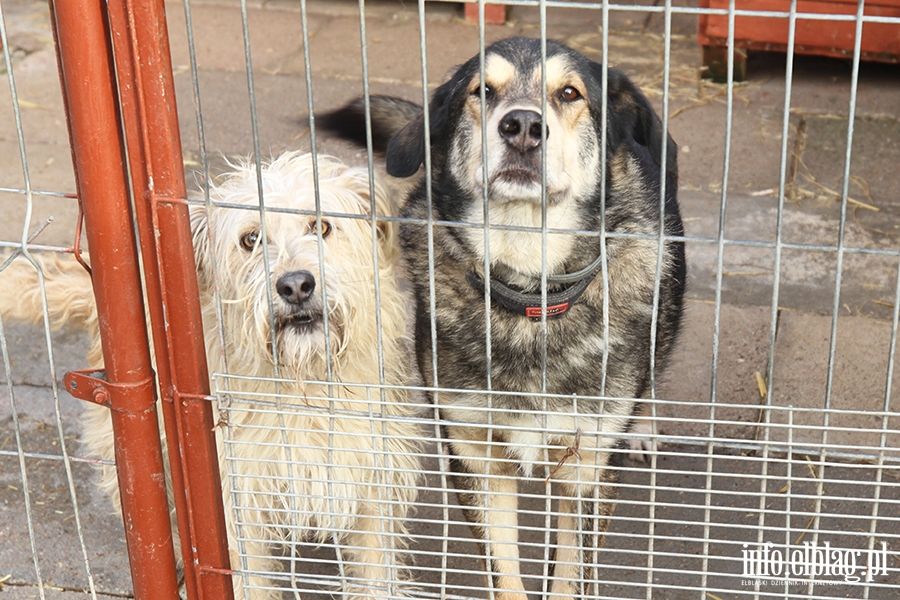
(296, 287)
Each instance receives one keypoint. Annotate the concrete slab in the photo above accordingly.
(228, 128)
(59, 551)
(391, 56)
(218, 37)
(875, 152)
(686, 533)
(29, 592)
(858, 411)
(31, 374)
(755, 150)
(688, 407)
(822, 86)
(808, 273)
(60, 554)
(28, 352)
(282, 117)
(619, 20)
(45, 176)
(40, 100)
(47, 153)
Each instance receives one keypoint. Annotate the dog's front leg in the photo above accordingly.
(584, 511)
(373, 556)
(490, 504)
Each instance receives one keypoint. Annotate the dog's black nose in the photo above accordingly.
(522, 129)
(296, 287)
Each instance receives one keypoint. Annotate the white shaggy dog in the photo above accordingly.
(305, 460)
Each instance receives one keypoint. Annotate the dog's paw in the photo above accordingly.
(378, 594)
(642, 447)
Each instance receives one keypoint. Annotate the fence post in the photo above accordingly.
(150, 119)
(89, 90)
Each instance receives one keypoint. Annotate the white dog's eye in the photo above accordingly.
(249, 240)
(326, 228)
(569, 94)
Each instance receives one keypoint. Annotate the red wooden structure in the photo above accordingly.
(880, 41)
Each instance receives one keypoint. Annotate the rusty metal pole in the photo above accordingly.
(89, 88)
(150, 116)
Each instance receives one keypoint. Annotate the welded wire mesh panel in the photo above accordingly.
(764, 461)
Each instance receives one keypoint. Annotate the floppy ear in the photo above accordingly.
(406, 150)
(632, 116)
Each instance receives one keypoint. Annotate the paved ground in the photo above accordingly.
(816, 147)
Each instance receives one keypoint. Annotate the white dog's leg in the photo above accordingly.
(254, 542)
(373, 560)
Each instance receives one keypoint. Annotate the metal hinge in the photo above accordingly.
(91, 385)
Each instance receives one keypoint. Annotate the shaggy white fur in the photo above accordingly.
(300, 460)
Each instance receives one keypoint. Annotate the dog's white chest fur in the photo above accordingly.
(532, 438)
(534, 433)
(520, 249)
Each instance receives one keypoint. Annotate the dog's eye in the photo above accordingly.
(249, 240)
(326, 228)
(568, 94)
(488, 92)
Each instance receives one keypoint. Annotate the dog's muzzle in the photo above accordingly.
(296, 287)
(297, 290)
(521, 129)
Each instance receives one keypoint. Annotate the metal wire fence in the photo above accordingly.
(784, 485)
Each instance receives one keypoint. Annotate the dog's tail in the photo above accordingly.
(389, 116)
(70, 296)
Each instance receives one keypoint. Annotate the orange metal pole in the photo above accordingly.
(157, 171)
(127, 65)
(89, 88)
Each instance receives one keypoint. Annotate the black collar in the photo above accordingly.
(529, 304)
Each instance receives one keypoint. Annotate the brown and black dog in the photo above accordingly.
(542, 373)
